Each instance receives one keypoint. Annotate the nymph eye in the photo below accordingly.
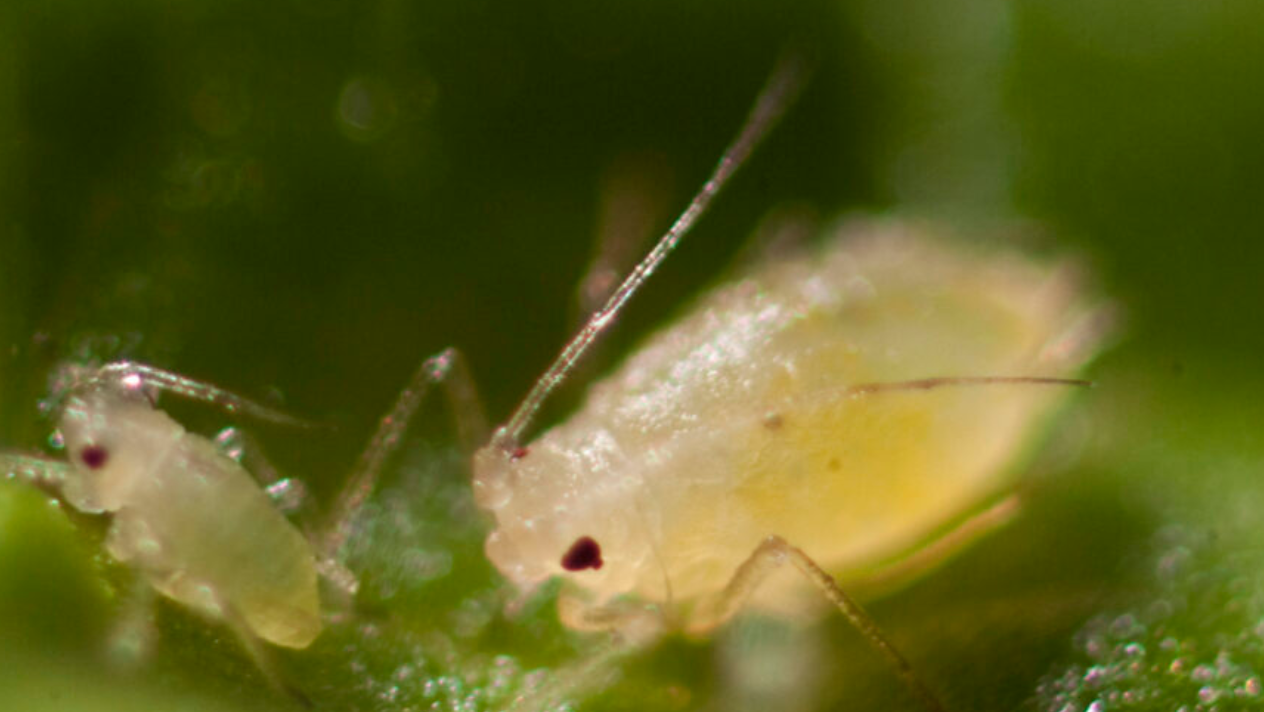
(94, 456)
(585, 553)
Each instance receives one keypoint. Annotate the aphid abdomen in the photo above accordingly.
(214, 539)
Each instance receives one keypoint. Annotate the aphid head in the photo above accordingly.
(559, 512)
(111, 434)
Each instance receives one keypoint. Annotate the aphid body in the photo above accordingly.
(190, 518)
(193, 522)
(853, 410)
(820, 398)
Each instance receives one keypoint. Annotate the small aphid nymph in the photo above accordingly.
(194, 523)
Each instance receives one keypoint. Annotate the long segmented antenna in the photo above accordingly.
(926, 384)
(137, 376)
(778, 93)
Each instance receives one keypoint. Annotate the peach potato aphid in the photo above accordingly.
(840, 411)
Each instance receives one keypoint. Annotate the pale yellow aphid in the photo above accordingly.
(194, 523)
(840, 400)
(837, 411)
(187, 515)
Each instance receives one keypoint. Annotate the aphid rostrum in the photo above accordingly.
(851, 410)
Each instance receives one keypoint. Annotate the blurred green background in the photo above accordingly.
(299, 200)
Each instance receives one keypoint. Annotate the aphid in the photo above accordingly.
(852, 410)
(192, 521)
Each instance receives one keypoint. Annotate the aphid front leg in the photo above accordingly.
(770, 556)
(448, 369)
(636, 624)
(54, 476)
(632, 627)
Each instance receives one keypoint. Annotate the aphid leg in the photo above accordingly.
(288, 494)
(33, 469)
(447, 368)
(594, 672)
(632, 627)
(53, 476)
(636, 624)
(259, 653)
(896, 574)
(291, 498)
(781, 234)
(770, 556)
(633, 199)
(134, 633)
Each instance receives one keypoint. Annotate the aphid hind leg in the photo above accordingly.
(448, 369)
(260, 655)
(770, 556)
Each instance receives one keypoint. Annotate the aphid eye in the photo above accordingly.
(585, 553)
(94, 456)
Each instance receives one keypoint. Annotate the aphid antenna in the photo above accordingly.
(926, 384)
(142, 378)
(782, 87)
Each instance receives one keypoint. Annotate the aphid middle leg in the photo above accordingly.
(447, 368)
(767, 558)
(291, 498)
(288, 494)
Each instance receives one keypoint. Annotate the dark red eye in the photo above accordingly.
(94, 456)
(585, 553)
